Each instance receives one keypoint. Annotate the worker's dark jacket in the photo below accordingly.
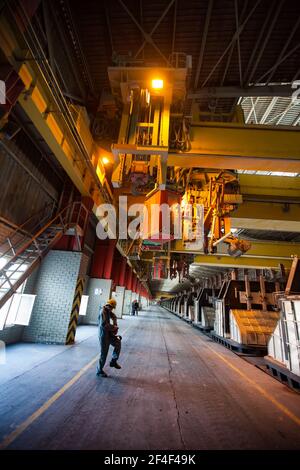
(105, 315)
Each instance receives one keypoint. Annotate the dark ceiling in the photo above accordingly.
(206, 30)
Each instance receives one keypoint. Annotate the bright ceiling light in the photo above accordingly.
(105, 160)
(157, 84)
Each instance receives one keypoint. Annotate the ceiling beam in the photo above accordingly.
(242, 262)
(154, 28)
(174, 27)
(277, 63)
(285, 47)
(242, 17)
(276, 250)
(82, 56)
(238, 40)
(203, 42)
(229, 57)
(236, 91)
(108, 27)
(266, 38)
(257, 45)
(147, 36)
(233, 40)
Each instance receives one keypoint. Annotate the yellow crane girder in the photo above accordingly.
(241, 147)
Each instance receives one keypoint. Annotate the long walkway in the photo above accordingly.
(176, 390)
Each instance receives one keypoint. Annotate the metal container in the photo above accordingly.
(207, 317)
(252, 327)
(284, 344)
(219, 323)
(191, 312)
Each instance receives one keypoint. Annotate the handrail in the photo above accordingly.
(20, 227)
(60, 217)
(22, 231)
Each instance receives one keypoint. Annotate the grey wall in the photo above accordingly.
(127, 302)
(99, 291)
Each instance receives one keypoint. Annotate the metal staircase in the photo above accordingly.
(22, 251)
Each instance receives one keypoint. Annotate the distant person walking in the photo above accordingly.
(134, 307)
(108, 336)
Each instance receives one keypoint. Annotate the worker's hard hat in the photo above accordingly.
(112, 302)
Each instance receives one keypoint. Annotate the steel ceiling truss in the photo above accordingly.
(148, 36)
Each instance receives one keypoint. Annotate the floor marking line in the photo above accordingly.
(263, 392)
(23, 426)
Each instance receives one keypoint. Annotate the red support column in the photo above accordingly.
(109, 258)
(122, 273)
(134, 282)
(129, 278)
(98, 260)
(116, 268)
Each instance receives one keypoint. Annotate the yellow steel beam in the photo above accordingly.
(35, 106)
(267, 216)
(62, 151)
(270, 203)
(85, 170)
(275, 187)
(243, 262)
(245, 147)
(261, 249)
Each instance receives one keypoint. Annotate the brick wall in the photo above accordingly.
(13, 334)
(55, 286)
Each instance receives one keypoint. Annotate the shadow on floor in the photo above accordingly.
(133, 385)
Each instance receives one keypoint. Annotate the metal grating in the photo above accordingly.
(271, 111)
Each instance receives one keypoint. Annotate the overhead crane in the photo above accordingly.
(196, 163)
(160, 149)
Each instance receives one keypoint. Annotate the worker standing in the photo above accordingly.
(108, 336)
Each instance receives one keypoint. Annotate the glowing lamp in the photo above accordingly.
(157, 84)
(105, 160)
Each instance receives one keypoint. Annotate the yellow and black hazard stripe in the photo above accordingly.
(75, 311)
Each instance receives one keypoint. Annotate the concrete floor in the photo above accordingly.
(23, 357)
(176, 390)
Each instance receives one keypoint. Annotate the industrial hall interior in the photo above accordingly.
(149, 225)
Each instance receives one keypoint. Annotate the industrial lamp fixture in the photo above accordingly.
(105, 160)
(157, 84)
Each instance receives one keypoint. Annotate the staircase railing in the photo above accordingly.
(29, 254)
(23, 232)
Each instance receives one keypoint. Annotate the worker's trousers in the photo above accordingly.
(106, 339)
